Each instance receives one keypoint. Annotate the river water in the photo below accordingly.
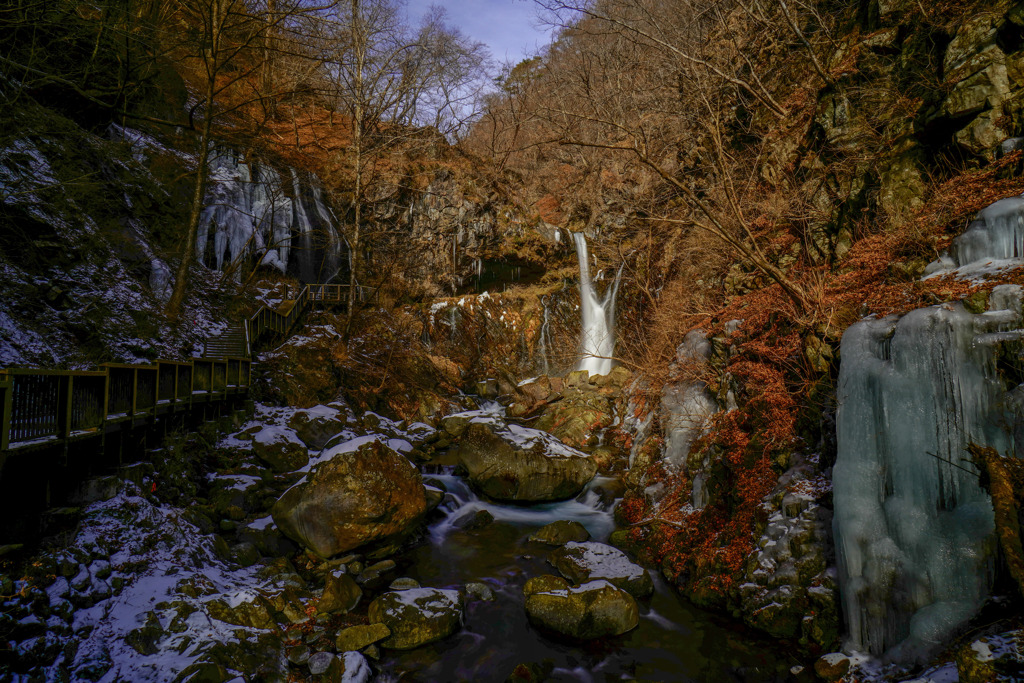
(674, 641)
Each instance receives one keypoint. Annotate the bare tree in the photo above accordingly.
(669, 85)
(391, 82)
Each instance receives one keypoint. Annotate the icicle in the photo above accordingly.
(250, 213)
(913, 527)
(544, 332)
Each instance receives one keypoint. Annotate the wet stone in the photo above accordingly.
(403, 583)
(375, 576)
(474, 521)
(298, 655)
(319, 662)
(480, 591)
(560, 533)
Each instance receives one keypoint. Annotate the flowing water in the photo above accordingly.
(597, 335)
(674, 641)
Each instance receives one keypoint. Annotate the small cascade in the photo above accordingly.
(597, 336)
(913, 528)
(253, 217)
(589, 509)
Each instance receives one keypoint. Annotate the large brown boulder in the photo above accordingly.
(594, 610)
(351, 498)
(509, 462)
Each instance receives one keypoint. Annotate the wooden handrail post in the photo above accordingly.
(135, 393)
(6, 408)
(106, 395)
(65, 389)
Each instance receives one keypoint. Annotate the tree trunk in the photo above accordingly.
(174, 304)
(359, 46)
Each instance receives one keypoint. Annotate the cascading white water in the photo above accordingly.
(913, 528)
(597, 336)
(588, 508)
(251, 214)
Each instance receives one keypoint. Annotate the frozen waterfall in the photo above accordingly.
(254, 217)
(597, 335)
(913, 529)
(994, 241)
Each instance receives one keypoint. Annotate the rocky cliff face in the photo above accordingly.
(89, 224)
(461, 235)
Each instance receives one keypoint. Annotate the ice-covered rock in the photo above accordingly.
(992, 243)
(686, 408)
(913, 527)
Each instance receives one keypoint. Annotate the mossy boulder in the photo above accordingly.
(561, 532)
(280, 450)
(509, 462)
(358, 637)
(417, 616)
(582, 562)
(596, 609)
(341, 593)
(992, 658)
(579, 416)
(254, 614)
(351, 498)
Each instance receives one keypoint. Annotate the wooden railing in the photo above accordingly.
(42, 406)
(270, 321)
(39, 407)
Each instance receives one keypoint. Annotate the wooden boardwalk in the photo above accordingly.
(48, 408)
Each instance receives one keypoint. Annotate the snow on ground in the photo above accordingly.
(155, 551)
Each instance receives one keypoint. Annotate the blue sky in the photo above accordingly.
(508, 27)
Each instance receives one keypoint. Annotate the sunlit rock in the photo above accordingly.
(353, 496)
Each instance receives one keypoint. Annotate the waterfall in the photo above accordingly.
(913, 528)
(597, 336)
(251, 215)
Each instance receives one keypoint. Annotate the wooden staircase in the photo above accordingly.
(233, 342)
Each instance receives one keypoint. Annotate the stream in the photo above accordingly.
(674, 641)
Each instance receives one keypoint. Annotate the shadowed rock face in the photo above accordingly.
(535, 468)
(351, 499)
